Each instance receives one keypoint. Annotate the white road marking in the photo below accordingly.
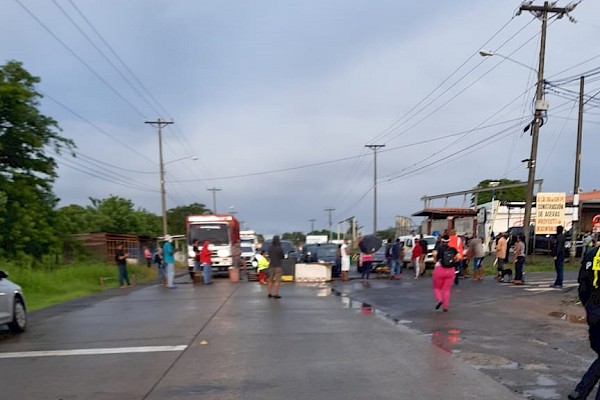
(86, 352)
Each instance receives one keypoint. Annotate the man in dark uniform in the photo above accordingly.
(589, 294)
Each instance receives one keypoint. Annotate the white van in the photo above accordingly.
(411, 241)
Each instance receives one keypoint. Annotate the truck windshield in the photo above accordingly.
(246, 248)
(216, 234)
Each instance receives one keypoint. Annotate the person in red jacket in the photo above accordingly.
(415, 258)
(206, 263)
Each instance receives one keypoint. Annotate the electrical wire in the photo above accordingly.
(402, 173)
(81, 60)
(103, 55)
(396, 123)
(125, 66)
(132, 149)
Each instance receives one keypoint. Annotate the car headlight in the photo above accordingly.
(224, 253)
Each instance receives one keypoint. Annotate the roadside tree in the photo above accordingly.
(28, 141)
(503, 195)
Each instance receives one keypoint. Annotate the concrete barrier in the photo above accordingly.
(313, 272)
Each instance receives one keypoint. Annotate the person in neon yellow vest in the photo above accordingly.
(589, 294)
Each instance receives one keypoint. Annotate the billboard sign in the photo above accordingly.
(549, 212)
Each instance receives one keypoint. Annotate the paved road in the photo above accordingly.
(531, 338)
(229, 341)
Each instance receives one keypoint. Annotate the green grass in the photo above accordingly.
(535, 263)
(45, 287)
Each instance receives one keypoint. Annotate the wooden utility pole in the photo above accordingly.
(312, 225)
(541, 105)
(214, 196)
(375, 147)
(163, 194)
(576, 188)
(329, 210)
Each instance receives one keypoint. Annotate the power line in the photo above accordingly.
(86, 36)
(396, 124)
(96, 126)
(81, 60)
(116, 55)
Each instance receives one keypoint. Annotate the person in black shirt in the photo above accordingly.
(423, 244)
(276, 257)
(558, 252)
(121, 259)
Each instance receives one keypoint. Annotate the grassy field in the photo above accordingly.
(535, 263)
(45, 287)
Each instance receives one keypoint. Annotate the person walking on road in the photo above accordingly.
(366, 261)
(276, 257)
(121, 259)
(443, 273)
(501, 252)
(345, 259)
(424, 248)
(417, 251)
(395, 261)
(148, 256)
(519, 259)
(169, 257)
(206, 262)
(197, 264)
(456, 243)
(160, 266)
(476, 252)
(558, 252)
(589, 294)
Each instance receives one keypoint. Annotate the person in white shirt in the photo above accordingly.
(345, 257)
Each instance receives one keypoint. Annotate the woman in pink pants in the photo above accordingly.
(443, 273)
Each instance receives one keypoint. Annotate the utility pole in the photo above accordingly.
(540, 105)
(375, 147)
(163, 194)
(354, 238)
(576, 188)
(329, 210)
(312, 225)
(214, 196)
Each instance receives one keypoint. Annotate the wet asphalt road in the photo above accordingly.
(228, 341)
(531, 338)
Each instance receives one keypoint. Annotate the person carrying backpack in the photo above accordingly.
(443, 273)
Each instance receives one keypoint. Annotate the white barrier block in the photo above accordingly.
(313, 272)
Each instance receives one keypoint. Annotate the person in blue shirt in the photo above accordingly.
(169, 257)
(396, 262)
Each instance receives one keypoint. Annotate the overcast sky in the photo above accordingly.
(278, 99)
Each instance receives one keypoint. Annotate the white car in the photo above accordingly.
(13, 311)
(412, 241)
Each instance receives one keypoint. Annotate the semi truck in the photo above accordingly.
(222, 231)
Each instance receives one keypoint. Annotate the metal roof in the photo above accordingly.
(444, 212)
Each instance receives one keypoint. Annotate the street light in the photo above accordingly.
(182, 158)
(540, 106)
(489, 53)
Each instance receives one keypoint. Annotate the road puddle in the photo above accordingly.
(446, 339)
(573, 318)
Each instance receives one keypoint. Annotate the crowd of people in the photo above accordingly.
(453, 256)
(458, 257)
